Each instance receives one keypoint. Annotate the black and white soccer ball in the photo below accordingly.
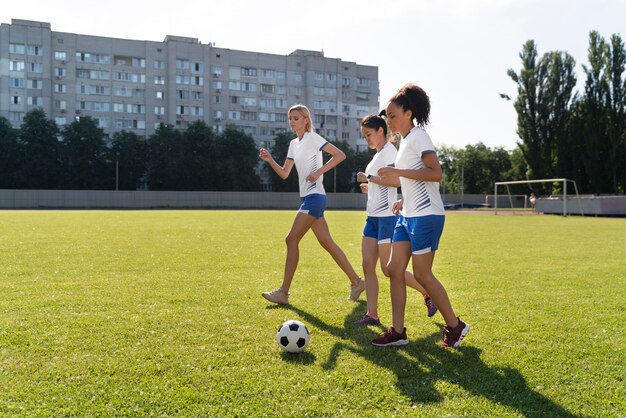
(293, 336)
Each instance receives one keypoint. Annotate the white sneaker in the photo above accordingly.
(277, 296)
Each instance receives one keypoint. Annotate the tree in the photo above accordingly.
(545, 96)
(165, 157)
(41, 167)
(129, 153)
(341, 178)
(198, 169)
(279, 153)
(11, 155)
(236, 158)
(84, 157)
(616, 105)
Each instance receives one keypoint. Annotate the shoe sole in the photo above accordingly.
(366, 323)
(463, 334)
(393, 344)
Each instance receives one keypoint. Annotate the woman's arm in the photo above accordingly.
(337, 157)
(430, 172)
(283, 172)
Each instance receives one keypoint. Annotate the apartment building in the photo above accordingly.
(137, 85)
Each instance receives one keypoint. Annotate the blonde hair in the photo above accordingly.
(304, 111)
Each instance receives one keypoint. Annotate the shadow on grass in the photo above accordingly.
(422, 363)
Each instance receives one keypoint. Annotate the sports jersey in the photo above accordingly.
(307, 156)
(381, 198)
(419, 198)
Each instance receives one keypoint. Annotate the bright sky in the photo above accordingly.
(458, 50)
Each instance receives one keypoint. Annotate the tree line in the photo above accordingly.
(78, 156)
(568, 134)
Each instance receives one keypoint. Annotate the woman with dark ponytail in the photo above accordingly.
(380, 222)
(420, 224)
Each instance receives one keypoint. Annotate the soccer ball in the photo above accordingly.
(293, 336)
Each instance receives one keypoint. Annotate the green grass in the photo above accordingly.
(158, 313)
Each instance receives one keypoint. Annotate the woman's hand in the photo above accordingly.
(388, 172)
(265, 154)
(396, 207)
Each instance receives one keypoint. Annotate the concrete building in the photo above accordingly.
(137, 85)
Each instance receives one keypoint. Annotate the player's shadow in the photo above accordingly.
(419, 365)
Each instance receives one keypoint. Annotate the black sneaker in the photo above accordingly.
(430, 305)
(391, 337)
(452, 336)
(367, 320)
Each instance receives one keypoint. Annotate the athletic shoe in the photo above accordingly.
(367, 320)
(391, 337)
(452, 336)
(277, 296)
(356, 290)
(432, 308)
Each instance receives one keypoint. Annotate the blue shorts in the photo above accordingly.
(380, 228)
(314, 205)
(422, 231)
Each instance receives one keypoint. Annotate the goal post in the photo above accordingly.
(563, 181)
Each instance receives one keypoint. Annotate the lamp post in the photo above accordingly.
(117, 170)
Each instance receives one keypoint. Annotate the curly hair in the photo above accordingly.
(414, 98)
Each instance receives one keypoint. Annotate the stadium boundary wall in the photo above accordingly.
(104, 199)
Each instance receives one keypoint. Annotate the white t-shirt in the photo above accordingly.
(381, 198)
(419, 198)
(307, 156)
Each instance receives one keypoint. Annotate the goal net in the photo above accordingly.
(564, 195)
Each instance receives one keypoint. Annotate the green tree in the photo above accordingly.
(199, 159)
(279, 153)
(616, 115)
(598, 124)
(129, 153)
(165, 157)
(41, 167)
(11, 155)
(84, 157)
(545, 95)
(236, 158)
(341, 178)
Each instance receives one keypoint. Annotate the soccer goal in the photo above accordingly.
(563, 181)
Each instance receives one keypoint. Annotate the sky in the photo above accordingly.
(459, 51)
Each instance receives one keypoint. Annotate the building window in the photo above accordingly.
(159, 79)
(248, 72)
(34, 84)
(160, 95)
(16, 49)
(34, 50)
(16, 65)
(60, 55)
(16, 82)
(159, 65)
(182, 64)
(35, 67)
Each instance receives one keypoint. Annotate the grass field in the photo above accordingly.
(159, 313)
